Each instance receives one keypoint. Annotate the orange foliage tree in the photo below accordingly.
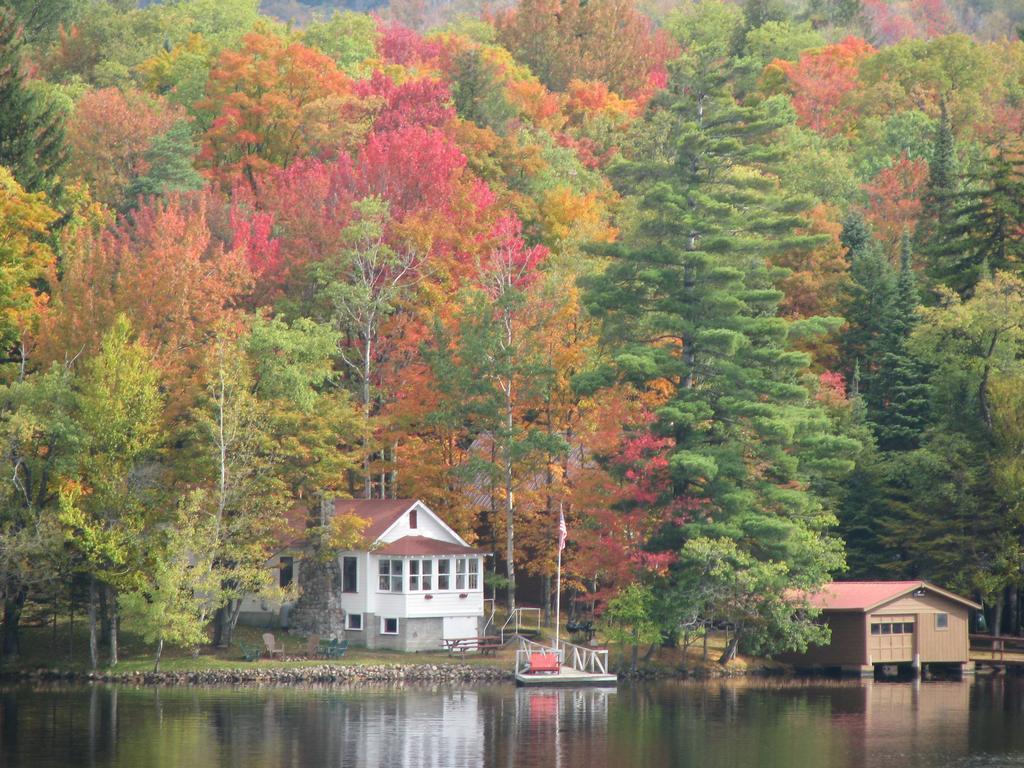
(273, 101)
(162, 267)
(109, 133)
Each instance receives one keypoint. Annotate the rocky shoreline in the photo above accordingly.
(350, 674)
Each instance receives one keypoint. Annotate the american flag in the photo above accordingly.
(563, 532)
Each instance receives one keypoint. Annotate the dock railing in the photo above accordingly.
(584, 659)
(516, 622)
(577, 657)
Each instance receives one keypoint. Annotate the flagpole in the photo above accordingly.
(558, 578)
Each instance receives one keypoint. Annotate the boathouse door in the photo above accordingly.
(891, 639)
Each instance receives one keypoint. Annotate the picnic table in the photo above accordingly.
(483, 645)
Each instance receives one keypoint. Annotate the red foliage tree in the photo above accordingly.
(894, 200)
(820, 80)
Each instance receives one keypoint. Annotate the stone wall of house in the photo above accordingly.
(318, 609)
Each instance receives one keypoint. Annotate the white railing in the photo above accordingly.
(592, 660)
(584, 659)
(514, 623)
(526, 649)
(490, 614)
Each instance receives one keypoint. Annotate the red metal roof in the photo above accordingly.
(865, 595)
(421, 545)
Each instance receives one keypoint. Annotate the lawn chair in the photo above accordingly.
(272, 647)
(335, 649)
(313, 647)
(249, 652)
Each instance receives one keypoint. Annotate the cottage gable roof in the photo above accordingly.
(866, 596)
(423, 545)
(381, 513)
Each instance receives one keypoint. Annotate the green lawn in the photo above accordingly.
(68, 650)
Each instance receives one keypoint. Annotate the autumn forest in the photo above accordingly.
(735, 286)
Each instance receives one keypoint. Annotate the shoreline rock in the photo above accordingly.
(353, 674)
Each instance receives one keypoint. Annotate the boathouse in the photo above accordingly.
(876, 623)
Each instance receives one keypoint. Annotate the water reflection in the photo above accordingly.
(735, 723)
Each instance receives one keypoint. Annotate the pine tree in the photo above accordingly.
(169, 160)
(942, 185)
(31, 131)
(869, 303)
(687, 296)
(900, 394)
(983, 228)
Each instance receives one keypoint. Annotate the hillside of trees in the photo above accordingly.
(736, 286)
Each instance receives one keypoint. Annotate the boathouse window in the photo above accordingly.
(474, 573)
(444, 569)
(287, 572)
(460, 573)
(893, 628)
(354, 621)
(390, 575)
(942, 621)
(389, 626)
(350, 574)
(412, 518)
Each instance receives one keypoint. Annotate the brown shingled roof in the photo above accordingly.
(422, 545)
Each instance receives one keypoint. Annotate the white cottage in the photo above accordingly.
(418, 583)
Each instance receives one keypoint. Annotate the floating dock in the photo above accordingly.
(576, 666)
(566, 677)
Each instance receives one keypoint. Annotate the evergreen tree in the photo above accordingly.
(169, 161)
(687, 296)
(984, 227)
(942, 185)
(869, 303)
(901, 385)
(31, 130)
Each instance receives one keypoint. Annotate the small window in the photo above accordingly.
(887, 629)
(460, 573)
(354, 621)
(427, 575)
(389, 626)
(287, 572)
(897, 628)
(908, 628)
(876, 629)
(414, 575)
(412, 518)
(390, 575)
(942, 621)
(474, 573)
(350, 574)
(444, 569)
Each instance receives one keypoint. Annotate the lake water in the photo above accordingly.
(789, 724)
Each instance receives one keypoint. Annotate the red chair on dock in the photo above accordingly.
(544, 663)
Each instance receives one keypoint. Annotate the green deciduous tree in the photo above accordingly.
(629, 620)
(166, 604)
(104, 505)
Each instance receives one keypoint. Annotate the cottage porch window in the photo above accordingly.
(390, 575)
(467, 571)
(444, 579)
